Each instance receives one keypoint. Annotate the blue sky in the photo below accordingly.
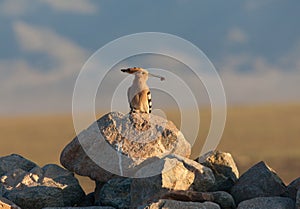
(254, 44)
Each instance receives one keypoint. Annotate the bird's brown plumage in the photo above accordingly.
(139, 96)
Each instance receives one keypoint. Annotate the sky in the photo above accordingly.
(254, 45)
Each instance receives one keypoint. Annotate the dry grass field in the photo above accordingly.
(270, 133)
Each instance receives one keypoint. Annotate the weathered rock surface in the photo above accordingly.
(268, 203)
(138, 137)
(258, 181)
(14, 161)
(41, 187)
(292, 188)
(223, 167)
(222, 198)
(75, 159)
(173, 204)
(116, 193)
(92, 207)
(298, 199)
(7, 204)
(176, 173)
(88, 200)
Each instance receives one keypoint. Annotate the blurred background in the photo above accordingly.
(254, 45)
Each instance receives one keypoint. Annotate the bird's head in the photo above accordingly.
(141, 73)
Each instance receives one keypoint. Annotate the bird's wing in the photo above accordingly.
(145, 101)
(135, 104)
(141, 102)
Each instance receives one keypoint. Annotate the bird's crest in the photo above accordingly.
(133, 70)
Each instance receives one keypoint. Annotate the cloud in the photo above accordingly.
(26, 87)
(236, 35)
(15, 7)
(76, 6)
(252, 5)
(67, 55)
(265, 82)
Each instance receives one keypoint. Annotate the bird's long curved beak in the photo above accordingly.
(157, 76)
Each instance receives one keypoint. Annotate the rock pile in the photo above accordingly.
(157, 173)
(30, 186)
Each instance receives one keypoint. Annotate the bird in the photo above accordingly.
(139, 95)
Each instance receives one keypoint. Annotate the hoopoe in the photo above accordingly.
(139, 95)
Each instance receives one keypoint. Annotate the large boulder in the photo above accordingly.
(173, 204)
(175, 173)
(224, 199)
(41, 187)
(258, 181)
(75, 159)
(268, 203)
(224, 168)
(116, 143)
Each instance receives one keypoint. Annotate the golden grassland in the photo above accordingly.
(270, 133)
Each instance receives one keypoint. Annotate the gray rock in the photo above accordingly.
(173, 204)
(42, 187)
(2, 190)
(15, 161)
(292, 188)
(268, 203)
(72, 192)
(133, 138)
(88, 200)
(115, 193)
(298, 199)
(222, 198)
(97, 191)
(74, 158)
(7, 204)
(224, 168)
(258, 181)
(36, 197)
(176, 173)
